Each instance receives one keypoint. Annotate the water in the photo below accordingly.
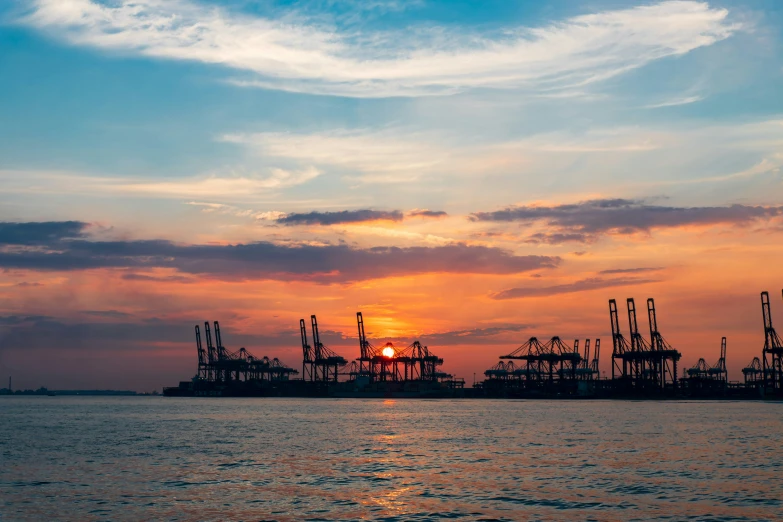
(148, 458)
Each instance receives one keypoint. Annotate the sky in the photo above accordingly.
(468, 174)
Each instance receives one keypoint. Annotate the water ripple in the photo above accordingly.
(69, 458)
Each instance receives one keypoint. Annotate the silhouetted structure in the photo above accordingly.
(546, 365)
(588, 370)
(640, 366)
(772, 355)
(753, 373)
(543, 369)
(703, 379)
(221, 372)
(319, 363)
(390, 364)
(501, 372)
(718, 370)
(224, 366)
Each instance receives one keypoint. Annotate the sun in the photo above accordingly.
(388, 352)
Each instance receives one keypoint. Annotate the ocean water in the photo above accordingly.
(156, 458)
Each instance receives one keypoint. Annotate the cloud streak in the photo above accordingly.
(676, 102)
(229, 186)
(487, 335)
(636, 270)
(301, 57)
(595, 283)
(211, 186)
(339, 217)
(587, 220)
(425, 213)
(391, 155)
(265, 260)
(118, 332)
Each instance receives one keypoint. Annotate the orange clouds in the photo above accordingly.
(470, 304)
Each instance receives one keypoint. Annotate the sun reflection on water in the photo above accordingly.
(295, 459)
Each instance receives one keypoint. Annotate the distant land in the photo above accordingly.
(45, 391)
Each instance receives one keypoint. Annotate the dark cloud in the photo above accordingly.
(324, 263)
(339, 217)
(594, 283)
(105, 353)
(113, 314)
(632, 270)
(585, 221)
(158, 279)
(427, 213)
(143, 334)
(12, 320)
(38, 233)
(139, 354)
(41, 332)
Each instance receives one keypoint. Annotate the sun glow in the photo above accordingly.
(388, 351)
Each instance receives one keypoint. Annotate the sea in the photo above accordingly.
(158, 458)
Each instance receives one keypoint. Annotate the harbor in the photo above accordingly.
(642, 367)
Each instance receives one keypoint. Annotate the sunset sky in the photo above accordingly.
(469, 174)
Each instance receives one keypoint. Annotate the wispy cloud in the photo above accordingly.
(226, 186)
(232, 210)
(392, 154)
(501, 333)
(594, 283)
(397, 155)
(218, 185)
(675, 102)
(635, 270)
(303, 57)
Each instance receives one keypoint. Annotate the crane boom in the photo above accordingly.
(307, 350)
(635, 345)
(587, 353)
(362, 337)
(614, 318)
(653, 319)
(203, 368)
(222, 354)
(317, 346)
(210, 346)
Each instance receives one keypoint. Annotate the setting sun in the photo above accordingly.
(388, 352)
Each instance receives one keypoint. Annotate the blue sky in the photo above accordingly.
(206, 122)
(100, 108)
